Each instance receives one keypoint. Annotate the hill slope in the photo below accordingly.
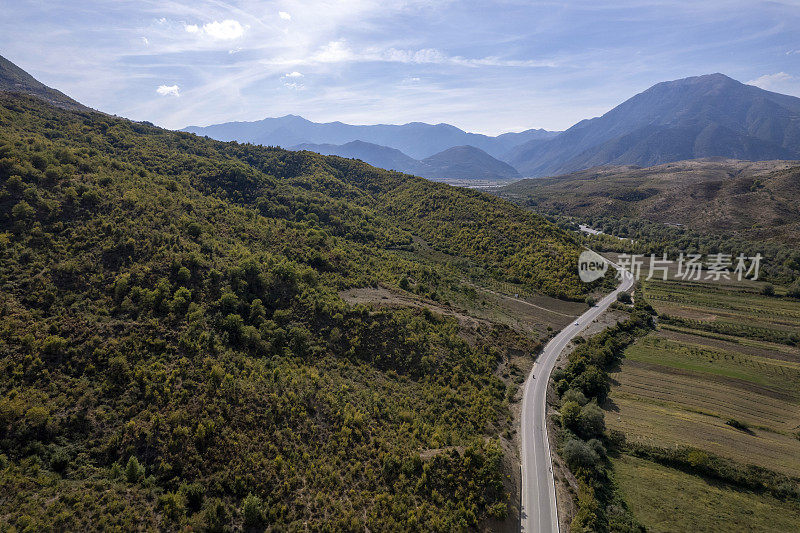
(467, 162)
(417, 139)
(704, 116)
(174, 352)
(14, 79)
(758, 200)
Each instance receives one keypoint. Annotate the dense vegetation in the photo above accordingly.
(173, 350)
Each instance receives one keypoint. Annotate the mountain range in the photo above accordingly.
(696, 117)
(416, 139)
(456, 163)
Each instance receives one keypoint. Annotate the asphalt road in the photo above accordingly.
(539, 513)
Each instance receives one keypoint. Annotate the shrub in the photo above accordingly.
(172, 505)
(133, 470)
(194, 494)
(252, 511)
(592, 420)
(738, 424)
(794, 290)
(578, 454)
(571, 415)
(59, 461)
(574, 395)
(624, 297)
(768, 290)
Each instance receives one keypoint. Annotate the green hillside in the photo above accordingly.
(174, 352)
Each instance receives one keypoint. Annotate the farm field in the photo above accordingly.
(665, 499)
(721, 373)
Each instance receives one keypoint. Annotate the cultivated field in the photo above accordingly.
(722, 374)
(665, 499)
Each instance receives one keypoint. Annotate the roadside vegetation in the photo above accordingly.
(583, 440)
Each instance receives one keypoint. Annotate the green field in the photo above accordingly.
(665, 499)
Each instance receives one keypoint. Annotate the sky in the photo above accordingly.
(484, 66)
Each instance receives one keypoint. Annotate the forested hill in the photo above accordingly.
(173, 351)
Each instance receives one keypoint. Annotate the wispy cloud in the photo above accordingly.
(530, 64)
(780, 82)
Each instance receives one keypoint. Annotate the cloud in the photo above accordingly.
(294, 74)
(293, 85)
(437, 57)
(145, 41)
(284, 15)
(334, 52)
(168, 90)
(772, 82)
(226, 30)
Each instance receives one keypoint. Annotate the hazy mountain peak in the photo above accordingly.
(700, 116)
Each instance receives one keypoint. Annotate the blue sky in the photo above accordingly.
(485, 66)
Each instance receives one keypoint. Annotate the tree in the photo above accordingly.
(133, 470)
(592, 420)
(571, 415)
(768, 289)
(578, 454)
(624, 297)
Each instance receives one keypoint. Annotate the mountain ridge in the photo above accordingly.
(456, 163)
(690, 118)
(14, 79)
(416, 139)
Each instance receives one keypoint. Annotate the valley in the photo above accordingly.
(369, 319)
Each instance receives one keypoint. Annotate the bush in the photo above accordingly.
(578, 454)
(738, 424)
(194, 494)
(592, 420)
(133, 470)
(794, 290)
(574, 395)
(252, 511)
(571, 415)
(59, 461)
(768, 290)
(624, 297)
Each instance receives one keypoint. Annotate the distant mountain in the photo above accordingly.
(704, 116)
(374, 154)
(457, 163)
(467, 162)
(15, 80)
(416, 139)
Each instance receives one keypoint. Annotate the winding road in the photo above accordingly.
(539, 513)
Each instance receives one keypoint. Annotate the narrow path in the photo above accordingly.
(539, 513)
